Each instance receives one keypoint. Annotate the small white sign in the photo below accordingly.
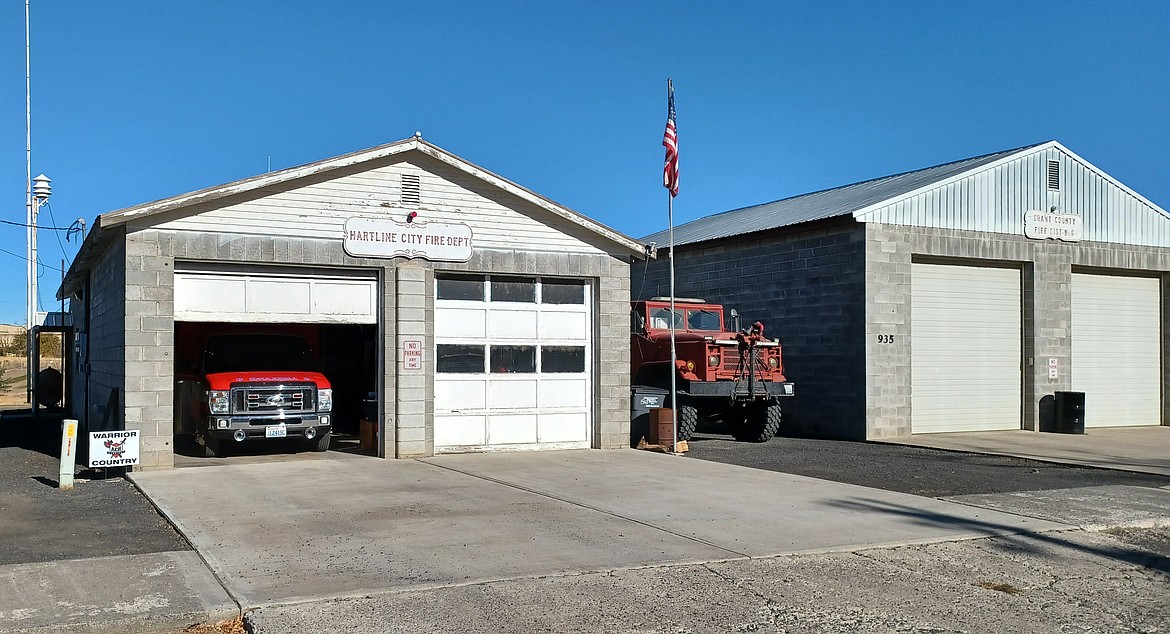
(385, 238)
(1042, 225)
(1053, 362)
(412, 355)
(113, 448)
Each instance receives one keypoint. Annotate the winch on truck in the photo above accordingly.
(721, 373)
(243, 386)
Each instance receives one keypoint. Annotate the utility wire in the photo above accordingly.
(25, 224)
(58, 234)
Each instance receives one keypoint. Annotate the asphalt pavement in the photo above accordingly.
(910, 469)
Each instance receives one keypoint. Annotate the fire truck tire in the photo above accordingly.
(321, 443)
(212, 447)
(688, 420)
(763, 421)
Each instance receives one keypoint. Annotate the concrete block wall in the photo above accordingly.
(807, 286)
(149, 327)
(105, 340)
(415, 389)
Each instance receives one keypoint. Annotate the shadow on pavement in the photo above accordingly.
(1134, 557)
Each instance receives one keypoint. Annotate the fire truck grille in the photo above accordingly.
(731, 361)
(274, 399)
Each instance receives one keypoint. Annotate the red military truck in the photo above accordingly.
(722, 373)
(236, 384)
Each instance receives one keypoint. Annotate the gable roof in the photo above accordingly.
(415, 143)
(846, 200)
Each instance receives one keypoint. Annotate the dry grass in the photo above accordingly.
(234, 626)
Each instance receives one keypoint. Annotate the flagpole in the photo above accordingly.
(673, 352)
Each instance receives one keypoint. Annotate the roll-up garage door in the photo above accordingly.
(1117, 349)
(513, 363)
(965, 348)
(276, 296)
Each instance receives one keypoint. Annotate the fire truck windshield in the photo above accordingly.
(257, 353)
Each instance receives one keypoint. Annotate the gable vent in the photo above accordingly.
(1054, 175)
(411, 190)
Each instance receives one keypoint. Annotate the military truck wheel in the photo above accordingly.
(688, 420)
(212, 447)
(763, 421)
(320, 443)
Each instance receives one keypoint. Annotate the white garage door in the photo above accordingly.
(965, 348)
(258, 296)
(512, 363)
(1117, 349)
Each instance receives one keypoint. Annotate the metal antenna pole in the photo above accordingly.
(30, 217)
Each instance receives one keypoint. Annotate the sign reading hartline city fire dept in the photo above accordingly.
(113, 448)
(384, 238)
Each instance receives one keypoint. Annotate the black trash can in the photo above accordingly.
(643, 399)
(1070, 413)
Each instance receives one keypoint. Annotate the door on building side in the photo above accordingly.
(966, 348)
(513, 363)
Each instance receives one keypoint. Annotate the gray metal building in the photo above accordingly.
(959, 297)
(355, 248)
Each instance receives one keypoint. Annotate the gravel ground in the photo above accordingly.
(97, 518)
(914, 470)
(1056, 582)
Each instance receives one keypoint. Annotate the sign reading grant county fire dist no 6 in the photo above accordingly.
(383, 238)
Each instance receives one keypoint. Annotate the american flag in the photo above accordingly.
(670, 141)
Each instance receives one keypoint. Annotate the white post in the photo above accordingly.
(68, 453)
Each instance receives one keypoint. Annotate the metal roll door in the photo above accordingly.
(1117, 348)
(966, 348)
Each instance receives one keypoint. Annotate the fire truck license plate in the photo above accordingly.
(275, 431)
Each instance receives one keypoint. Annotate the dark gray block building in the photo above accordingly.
(960, 297)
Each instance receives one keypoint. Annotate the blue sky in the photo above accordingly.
(136, 101)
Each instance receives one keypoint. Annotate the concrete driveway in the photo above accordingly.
(1141, 449)
(285, 532)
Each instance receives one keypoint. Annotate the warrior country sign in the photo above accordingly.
(113, 448)
(382, 238)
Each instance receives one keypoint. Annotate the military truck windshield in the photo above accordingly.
(257, 353)
(695, 319)
(703, 320)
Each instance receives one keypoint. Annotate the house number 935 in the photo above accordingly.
(885, 338)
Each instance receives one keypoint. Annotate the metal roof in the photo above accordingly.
(828, 203)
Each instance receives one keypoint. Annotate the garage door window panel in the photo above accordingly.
(459, 359)
(460, 287)
(562, 359)
(562, 292)
(513, 359)
(518, 290)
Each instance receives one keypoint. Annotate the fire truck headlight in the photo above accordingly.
(218, 401)
(713, 360)
(773, 362)
(325, 398)
(690, 366)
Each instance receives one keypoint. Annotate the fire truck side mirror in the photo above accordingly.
(734, 320)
